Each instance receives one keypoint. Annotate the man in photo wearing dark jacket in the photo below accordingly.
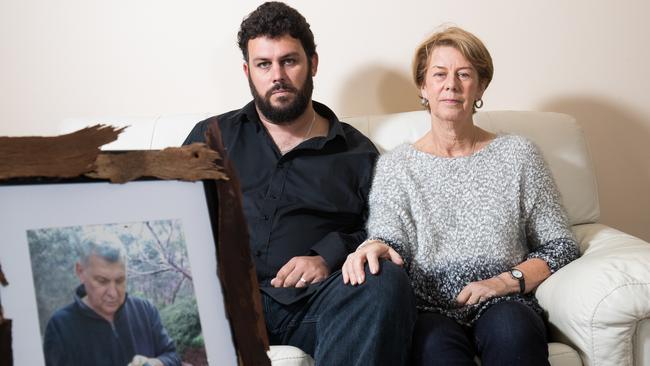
(105, 326)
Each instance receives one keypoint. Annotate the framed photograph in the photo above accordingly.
(103, 271)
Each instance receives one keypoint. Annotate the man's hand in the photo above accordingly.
(139, 360)
(301, 271)
(353, 268)
(479, 291)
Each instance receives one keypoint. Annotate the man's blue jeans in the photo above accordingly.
(368, 324)
(508, 333)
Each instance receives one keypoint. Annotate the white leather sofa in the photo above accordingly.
(598, 306)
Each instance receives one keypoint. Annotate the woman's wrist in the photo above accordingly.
(512, 286)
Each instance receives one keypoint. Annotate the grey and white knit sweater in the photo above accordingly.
(463, 219)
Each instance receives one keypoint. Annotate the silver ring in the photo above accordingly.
(302, 279)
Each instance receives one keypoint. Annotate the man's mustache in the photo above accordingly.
(281, 86)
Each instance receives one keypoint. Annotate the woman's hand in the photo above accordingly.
(479, 291)
(369, 251)
(535, 271)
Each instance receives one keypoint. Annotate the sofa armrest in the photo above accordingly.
(595, 302)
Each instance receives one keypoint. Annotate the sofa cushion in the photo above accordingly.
(289, 356)
(558, 355)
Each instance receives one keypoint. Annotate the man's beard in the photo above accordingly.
(287, 113)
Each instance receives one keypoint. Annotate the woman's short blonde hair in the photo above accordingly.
(465, 42)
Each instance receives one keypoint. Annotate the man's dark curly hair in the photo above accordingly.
(275, 19)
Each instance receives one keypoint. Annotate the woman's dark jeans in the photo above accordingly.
(508, 333)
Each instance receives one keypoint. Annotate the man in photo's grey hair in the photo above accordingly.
(103, 325)
(107, 250)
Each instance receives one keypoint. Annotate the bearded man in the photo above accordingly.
(305, 178)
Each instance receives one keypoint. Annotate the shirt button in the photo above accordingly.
(274, 197)
(265, 217)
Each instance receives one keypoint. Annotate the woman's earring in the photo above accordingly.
(424, 101)
(478, 103)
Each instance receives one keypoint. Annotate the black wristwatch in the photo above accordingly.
(519, 276)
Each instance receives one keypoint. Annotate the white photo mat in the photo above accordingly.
(26, 207)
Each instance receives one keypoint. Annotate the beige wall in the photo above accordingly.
(91, 58)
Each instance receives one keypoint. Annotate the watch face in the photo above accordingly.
(516, 273)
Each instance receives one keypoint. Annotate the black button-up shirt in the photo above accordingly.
(310, 201)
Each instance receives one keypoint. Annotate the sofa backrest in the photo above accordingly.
(558, 136)
(143, 133)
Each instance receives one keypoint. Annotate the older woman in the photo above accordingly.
(474, 217)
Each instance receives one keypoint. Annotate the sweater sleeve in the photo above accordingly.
(389, 216)
(547, 230)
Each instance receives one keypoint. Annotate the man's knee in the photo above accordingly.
(389, 291)
(391, 280)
